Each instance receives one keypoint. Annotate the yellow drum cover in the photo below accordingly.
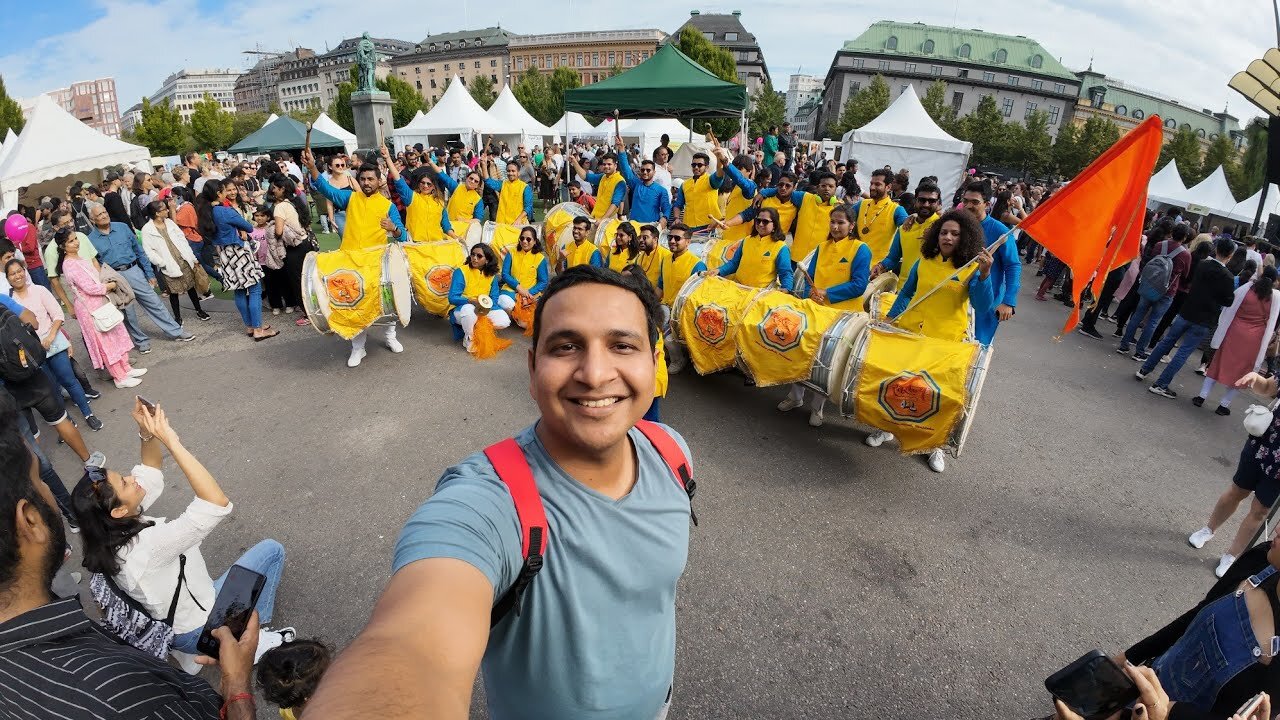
(720, 251)
(710, 313)
(780, 335)
(431, 271)
(560, 217)
(886, 283)
(501, 238)
(351, 283)
(606, 231)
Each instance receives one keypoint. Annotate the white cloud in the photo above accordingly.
(1178, 47)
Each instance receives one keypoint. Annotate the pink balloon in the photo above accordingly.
(16, 227)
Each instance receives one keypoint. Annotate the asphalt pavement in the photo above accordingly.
(827, 579)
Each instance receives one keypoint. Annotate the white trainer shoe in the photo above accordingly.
(356, 357)
(1224, 565)
(128, 383)
(815, 418)
(394, 345)
(937, 461)
(878, 438)
(787, 405)
(137, 372)
(269, 639)
(1200, 537)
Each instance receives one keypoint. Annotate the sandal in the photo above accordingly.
(302, 322)
(260, 338)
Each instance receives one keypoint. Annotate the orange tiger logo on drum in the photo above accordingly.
(438, 278)
(910, 397)
(729, 251)
(782, 328)
(712, 323)
(346, 288)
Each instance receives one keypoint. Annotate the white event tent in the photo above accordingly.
(1272, 206)
(904, 136)
(646, 131)
(508, 112)
(1166, 186)
(1212, 196)
(5, 146)
(326, 124)
(575, 125)
(53, 149)
(270, 119)
(457, 113)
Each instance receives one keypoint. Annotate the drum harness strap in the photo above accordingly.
(509, 462)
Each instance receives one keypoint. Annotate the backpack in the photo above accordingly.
(130, 621)
(21, 352)
(1157, 274)
(138, 213)
(513, 469)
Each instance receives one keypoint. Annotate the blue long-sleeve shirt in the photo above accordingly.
(408, 195)
(782, 264)
(859, 276)
(458, 286)
(528, 195)
(747, 187)
(451, 185)
(228, 221)
(619, 190)
(649, 203)
(341, 196)
(981, 296)
(120, 247)
(1006, 279)
(510, 281)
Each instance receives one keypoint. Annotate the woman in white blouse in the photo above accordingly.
(176, 264)
(151, 557)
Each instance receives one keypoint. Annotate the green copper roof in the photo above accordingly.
(1136, 103)
(977, 47)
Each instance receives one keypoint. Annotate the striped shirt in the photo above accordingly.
(56, 663)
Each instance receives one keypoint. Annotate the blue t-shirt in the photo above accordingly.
(596, 637)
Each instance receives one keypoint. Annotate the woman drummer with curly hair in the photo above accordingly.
(475, 288)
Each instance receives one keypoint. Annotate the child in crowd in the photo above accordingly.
(288, 675)
(269, 251)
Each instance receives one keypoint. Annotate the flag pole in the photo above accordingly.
(954, 273)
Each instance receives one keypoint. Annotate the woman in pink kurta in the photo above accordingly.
(1244, 330)
(109, 350)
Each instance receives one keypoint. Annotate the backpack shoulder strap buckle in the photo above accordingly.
(509, 462)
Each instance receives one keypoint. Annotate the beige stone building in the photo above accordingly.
(466, 53)
(591, 54)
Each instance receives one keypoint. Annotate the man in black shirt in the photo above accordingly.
(112, 201)
(1212, 288)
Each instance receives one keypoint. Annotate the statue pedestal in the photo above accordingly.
(366, 109)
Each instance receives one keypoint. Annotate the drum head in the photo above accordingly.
(977, 378)
(885, 282)
(395, 274)
(852, 369)
(315, 300)
(475, 233)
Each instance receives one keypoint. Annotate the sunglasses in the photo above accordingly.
(763, 221)
(697, 164)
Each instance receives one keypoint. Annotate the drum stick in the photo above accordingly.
(306, 146)
(954, 273)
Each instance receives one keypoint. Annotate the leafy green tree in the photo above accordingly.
(245, 124)
(340, 109)
(862, 108)
(768, 108)
(935, 103)
(1253, 166)
(210, 125)
(482, 92)
(1222, 153)
(1183, 147)
(985, 129)
(718, 62)
(10, 113)
(1066, 150)
(306, 115)
(560, 81)
(162, 129)
(406, 102)
(1031, 145)
(1096, 136)
(533, 90)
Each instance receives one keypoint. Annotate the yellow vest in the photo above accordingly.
(422, 218)
(737, 203)
(604, 196)
(674, 274)
(944, 314)
(511, 202)
(875, 225)
(701, 201)
(462, 205)
(835, 263)
(476, 283)
(660, 378)
(758, 261)
(653, 262)
(579, 253)
(786, 212)
(364, 216)
(618, 260)
(813, 227)
(911, 240)
(524, 268)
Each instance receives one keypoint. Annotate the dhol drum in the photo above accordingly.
(344, 292)
(502, 238)
(879, 305)
(431, 272)
(832, 360)
(606, 230)
(706, 316)
(700, 242)
(474, 234)
(558, 218)
(885, 282)
(781, 336)
(720, 251)
(923, 390)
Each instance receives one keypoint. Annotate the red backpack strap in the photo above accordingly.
(509, 462)
(674, 456)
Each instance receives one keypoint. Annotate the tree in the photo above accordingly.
(161, 129)
(210, 125)
(10, 113)
(1066, 150)
(718, 62)
(985, 128)
(1031, 145)
(1253, 166)
(306, 115)
(862, 108)
(1222, 153)
(935, 103)
(1184, 148)
(245, 124)
(560, 81)
(1096, 136)
(533, 91)
(481, 90)
(767, 109)
(406, 102)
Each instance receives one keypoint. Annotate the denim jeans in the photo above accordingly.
(1191, 335)
(1147, 314)
(146, 296)
(207, 257)
(47, 473)
(40, 276)
(58, 368)
(249, 303)
(266, 558)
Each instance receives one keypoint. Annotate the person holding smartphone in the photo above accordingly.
(150, 557)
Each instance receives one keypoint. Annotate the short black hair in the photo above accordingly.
(290, 673)
(1224, 246)
(928, 187)
(882, 173)
(16, 485)
(590, 274)
(818, 177)
(977, 186)
(580, 220)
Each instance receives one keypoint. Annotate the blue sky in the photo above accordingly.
(1178, 49)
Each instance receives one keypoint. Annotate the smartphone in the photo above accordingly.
(150, 406)
(1247, 710)
(1093, 686)
(234, 605)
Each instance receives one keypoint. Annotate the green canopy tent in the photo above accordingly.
(668, 84)
(285, 133)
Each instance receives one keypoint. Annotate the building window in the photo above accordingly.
(1053, 115)
(1002, 55)
(1171, 123)
(710, 36)
(595, 59)
(1059, 88)
(579, 60)
(1138, 114)
(909, 67)
(1122, 110)
(731, 37)
(446, 67)
(417, 70)
(1008, 107)
(1037, 84)
(965, 50)
(477, 64)
(493, 79)
(1037, 61)
(493, 63)
(928, 47)
(1186, 126)
(988, 77)
(433, 84)
(546, 61)
(957, 99)
(1213, 136)
(1013, 80)
(564, 60)
(612, 59)
(1200, 132)
(854, 87)
(891, 43)
(935, 70)
(419, 83)
(1031, 107)
(859, 62)
(883, 65)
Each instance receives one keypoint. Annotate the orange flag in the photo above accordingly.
(1094, 224)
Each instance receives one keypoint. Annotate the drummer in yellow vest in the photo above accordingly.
(652, 255)
(905, 249)
(741, 171)
(786, 209)
(465, 203)
(611, 188)
(524, 271)
(625, 249)
(478, 275)
(697, 200)
(763, 256)
(813, 213)
(949, 244)
(515, 196)
(371, 217)
(675, 272)
(839, 271)
(582, 251)
(877, 217)
(424, 214)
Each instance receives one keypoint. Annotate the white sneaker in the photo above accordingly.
(1200, 537)
(788, 404)
(937, 461)
(356, 357)
(1224, 565)
(137, 372)
(275, 311)
(815, 418)
(878, 438)
(394, 345)
(269, 639)
(128, 383)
